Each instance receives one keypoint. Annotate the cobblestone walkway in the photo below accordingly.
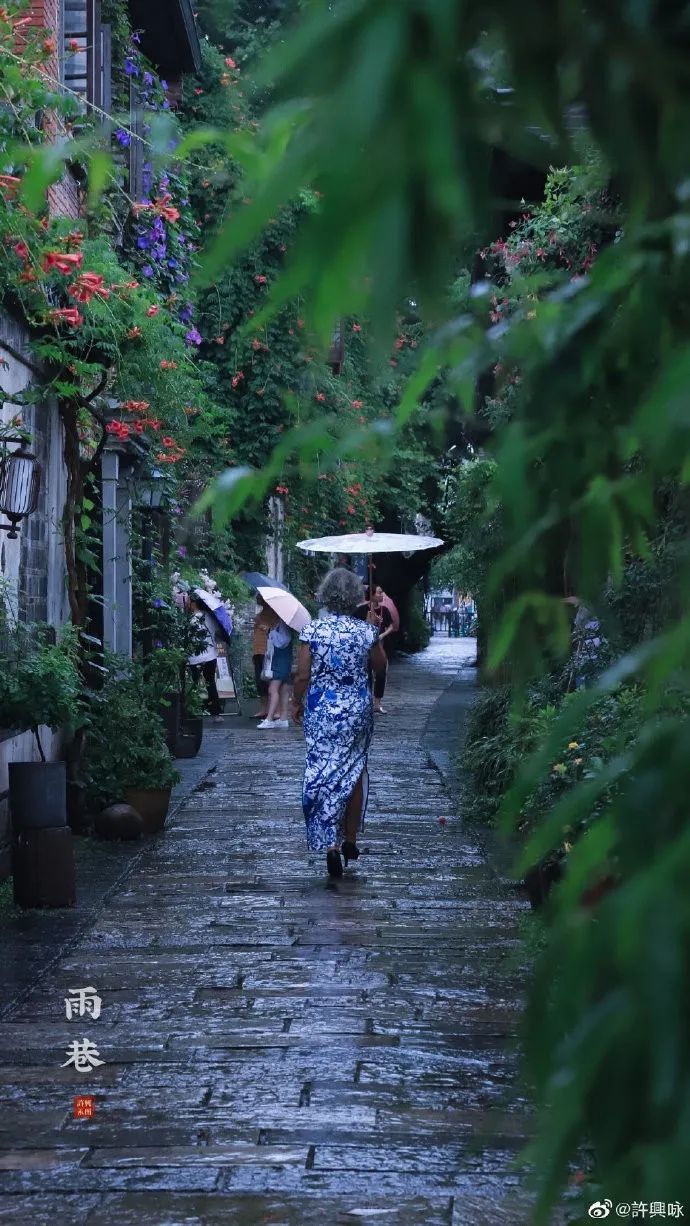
(279, 1048)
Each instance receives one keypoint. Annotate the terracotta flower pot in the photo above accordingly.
(188, 741)
(152, 804)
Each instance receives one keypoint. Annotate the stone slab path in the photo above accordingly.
(279, 1048)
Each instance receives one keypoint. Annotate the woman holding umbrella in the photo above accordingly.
(287, 613)
(204, 607)
(336, 651)
(264, 622)
(278, 671)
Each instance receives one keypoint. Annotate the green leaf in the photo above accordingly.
(99, 173)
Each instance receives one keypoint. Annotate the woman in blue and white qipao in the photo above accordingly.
(336, 650)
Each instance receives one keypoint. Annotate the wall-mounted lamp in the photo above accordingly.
(20, 482)
(150, 490)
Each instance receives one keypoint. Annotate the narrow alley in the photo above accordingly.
(278, 1047)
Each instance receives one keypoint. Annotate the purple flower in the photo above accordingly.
(148, 79)
(166, 105)
(193, 337)
(186, 313)
(123, 138)
(147, 270)
(164, 86)
(182, 551)
(158, 603)
(136, 37)
(143, 242)
(158, 643)
(131, 68)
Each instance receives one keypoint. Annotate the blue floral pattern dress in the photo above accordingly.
(338, 723)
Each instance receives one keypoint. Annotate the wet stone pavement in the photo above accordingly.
(277, 1047)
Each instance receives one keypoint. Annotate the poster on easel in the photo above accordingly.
(225, 682)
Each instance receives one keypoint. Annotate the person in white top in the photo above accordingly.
(205, 661)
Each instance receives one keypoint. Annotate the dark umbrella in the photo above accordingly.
(254, 578)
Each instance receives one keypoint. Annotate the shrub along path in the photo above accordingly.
(277, 1047)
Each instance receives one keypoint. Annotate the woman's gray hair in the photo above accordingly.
(341, 591)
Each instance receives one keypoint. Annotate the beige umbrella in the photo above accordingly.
(287, 606)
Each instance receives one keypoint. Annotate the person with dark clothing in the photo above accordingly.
(385, 626)
(204, 662)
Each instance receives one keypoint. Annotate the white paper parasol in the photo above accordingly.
(370, 542)
(287, 606)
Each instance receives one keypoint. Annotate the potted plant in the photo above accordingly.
(151, 778)
(191, 732)
(164, 670)
(125, 755)
(40, 686)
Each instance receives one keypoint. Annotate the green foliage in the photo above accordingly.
(194, 701)
(501, 735)
(415, 630)
(392, 112)
(40, 684)
(125, 745)
(381, 154)
(271, 381)
(473, 520)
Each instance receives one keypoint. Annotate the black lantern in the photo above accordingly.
(150, 491)
(20, 481)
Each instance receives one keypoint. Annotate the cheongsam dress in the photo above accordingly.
(338, 723)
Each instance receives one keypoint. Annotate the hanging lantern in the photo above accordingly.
(20, 481)
(151, 491)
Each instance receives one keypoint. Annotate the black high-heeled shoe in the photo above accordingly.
(350, 851)
(334, 864)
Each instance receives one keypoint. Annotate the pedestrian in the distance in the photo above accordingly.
(277, 671)
(332, 694)
(204, 662)
(383, 620)
(264, 622)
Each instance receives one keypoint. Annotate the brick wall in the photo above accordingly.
(64, 197)
(46, 15)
